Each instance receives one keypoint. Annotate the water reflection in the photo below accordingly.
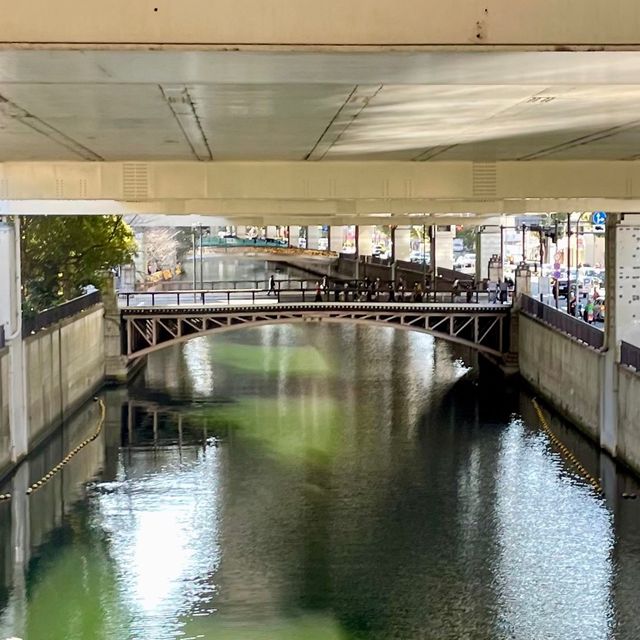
(329, 482)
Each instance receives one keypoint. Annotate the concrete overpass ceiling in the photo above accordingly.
(174, 105)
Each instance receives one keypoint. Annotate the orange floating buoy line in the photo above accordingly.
(47, 476)
(567, 453)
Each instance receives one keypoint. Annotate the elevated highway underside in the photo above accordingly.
(410, 132)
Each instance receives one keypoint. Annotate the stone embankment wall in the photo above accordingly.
(566, 372)
(570, 375)
(65, 365)
(4, 408)
(629, 416)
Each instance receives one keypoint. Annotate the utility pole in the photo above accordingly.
(424, 256)
(195, 273)
(201, 261)
(568, 259)
(11, 319)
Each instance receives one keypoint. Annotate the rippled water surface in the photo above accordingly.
(319, 482)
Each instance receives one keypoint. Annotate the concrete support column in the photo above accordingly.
(365, 240)
(403, 242)
(314, 233)
(487, 244)
(444, 247)
(336, 238)
(11, 319)
(609, 371)
(118, 370)
(294, 235)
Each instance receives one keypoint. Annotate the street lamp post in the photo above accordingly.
(194, 252)
(424, 255)
(201, 261)
(568, 259)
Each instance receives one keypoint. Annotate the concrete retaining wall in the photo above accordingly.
(4, 408)
(565, 372)
(629, 417)
(65, 364)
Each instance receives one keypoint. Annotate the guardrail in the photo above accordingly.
(352, 292)
(262, 283)
(630, 355)
(56, 314)
(562, 321)
(234, 241)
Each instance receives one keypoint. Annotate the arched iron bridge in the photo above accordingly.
(482, 327)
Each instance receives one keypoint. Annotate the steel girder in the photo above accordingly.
(484, 328)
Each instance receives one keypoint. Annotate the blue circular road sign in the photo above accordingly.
(598, 217)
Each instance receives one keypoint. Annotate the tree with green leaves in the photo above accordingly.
(63, 254)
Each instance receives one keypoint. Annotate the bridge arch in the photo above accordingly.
(150, 329)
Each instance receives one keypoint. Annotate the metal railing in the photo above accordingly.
(235, 241)
(630, 355)
(562, 321)
(353, 292)
(31, 324)
(262, 283)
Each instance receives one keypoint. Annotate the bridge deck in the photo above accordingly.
(483, 327)
(267, 305)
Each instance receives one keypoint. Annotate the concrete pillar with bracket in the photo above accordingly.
(622, 319)
(11, 320)
(294, 236)
(336, 239)
(365, 240)
(487, 244)
(444, 246)
(403, 242)
(314, 233)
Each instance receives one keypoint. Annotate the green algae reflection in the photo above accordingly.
(304, 627)
(293, 428)
(294, 360)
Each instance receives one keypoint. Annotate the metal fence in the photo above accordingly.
(630, 355)
(562, 321)
(31, 324)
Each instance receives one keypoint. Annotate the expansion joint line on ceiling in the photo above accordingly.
(17, 113)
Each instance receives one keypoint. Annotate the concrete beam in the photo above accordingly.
(297, 24)
(369, 183)
(321, 192)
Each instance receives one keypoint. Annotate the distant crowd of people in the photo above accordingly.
(374, 290)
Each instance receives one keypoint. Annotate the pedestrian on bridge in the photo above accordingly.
(504, 291)
(492, 288)
(272, 285)
(392, 293)
(318, 297)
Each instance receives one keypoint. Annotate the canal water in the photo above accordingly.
(318, 482)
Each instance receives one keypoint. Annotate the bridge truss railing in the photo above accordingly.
(483, 327)
(562, 321)
(353, 292)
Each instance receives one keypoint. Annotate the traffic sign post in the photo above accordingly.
(598, 218)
